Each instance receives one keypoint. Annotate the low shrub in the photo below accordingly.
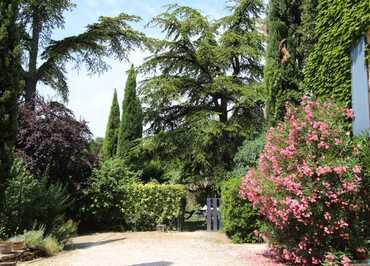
(65, 231)
(50, 246)
(152, 204)
(240, 221)
(308, 185)
(33, 239)
(116, 200)
(29, 200)
(105, 194)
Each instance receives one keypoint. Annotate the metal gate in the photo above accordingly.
(214, 222)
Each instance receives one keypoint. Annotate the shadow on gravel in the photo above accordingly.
(92, 244)
(157, 263)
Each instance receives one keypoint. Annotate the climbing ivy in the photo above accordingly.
(339, 25)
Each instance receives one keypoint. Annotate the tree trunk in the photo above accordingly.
(32, 78)
(30, 89)
(226, 158)
(223, 111)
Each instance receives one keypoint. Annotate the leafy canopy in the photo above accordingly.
(201, 94)
(45, 59)
(54, 144)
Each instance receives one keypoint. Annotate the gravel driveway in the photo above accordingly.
(157, 249)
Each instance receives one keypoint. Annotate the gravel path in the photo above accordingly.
(157, 249)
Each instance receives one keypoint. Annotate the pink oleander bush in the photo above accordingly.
(307, 185)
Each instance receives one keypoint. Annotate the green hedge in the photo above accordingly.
(339, 25)
(151, 204)
(239, 218)
(114, 200)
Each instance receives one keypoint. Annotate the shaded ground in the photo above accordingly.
(157, 249)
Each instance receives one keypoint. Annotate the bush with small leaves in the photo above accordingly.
(104, 195)
(29, 200)
(308, 184)
(240, 221)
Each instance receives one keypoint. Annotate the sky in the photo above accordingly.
(91, 96)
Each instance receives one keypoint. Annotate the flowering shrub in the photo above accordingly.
(307, 185)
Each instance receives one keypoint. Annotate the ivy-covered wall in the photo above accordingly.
(339, 24)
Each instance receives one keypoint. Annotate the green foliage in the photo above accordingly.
(104, 197)
(290, 39)
(241, 222)
(309, 184)
(95, 147)
(115, 200)
(109, 148)
(152, 204)
(3, 233)
(109, 37)
(29, 201)
(247, 156)
(33, 239)
(65, 231)
(202, 92)
(339, 25)
(50, 246)
(131, 127)
(363, 144)
(10, 85)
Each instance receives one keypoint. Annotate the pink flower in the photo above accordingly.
(322, 170)
(312, 137)
(342, 224)
(315, 261)
(330, 257)
(346, 261)
(349, 113)
(349, 186)
(286, 254)
(327, 216)
(323, 145)
(306, 170)
(327, 231)
(340, 170)
(356, 169)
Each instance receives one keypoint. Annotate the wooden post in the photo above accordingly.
(219, 214)
(209, 220)
(214, 214)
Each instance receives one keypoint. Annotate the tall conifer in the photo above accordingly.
(109, 148)
(290, 38)
(9, 84)
(131, 126)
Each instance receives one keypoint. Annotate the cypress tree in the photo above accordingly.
(290, 38)
(9, 84)
(131, 126)
(109, 148)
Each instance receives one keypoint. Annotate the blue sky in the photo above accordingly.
(90, 96)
